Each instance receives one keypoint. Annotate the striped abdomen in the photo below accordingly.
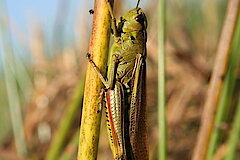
(114, 114)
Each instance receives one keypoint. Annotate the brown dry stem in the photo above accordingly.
(215, 87)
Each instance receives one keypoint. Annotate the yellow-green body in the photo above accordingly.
(125, 87)
(127, 53)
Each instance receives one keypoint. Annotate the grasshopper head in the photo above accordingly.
(134, 20)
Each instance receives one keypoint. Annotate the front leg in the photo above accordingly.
(97, 70)
(114, 24)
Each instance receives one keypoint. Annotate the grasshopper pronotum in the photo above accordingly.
(125, 86)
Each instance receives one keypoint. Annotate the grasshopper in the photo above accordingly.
(125, 86)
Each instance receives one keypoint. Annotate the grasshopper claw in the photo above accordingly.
(88, 55)
(91, 11)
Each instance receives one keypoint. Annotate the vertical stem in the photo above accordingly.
(9, 68)
(91, 119)
(234, 135)
(215, 87)
(162, 148)
(227, 92)
(74, 107)
(70, 152)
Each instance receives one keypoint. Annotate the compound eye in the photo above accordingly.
(140, 19)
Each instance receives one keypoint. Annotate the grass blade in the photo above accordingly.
(66, 123)
(162, 148)
(227, 92)
(215, 86)
(234, 135)
(71, 149)
(9, 68)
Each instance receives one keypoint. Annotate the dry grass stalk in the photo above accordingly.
(90, 123)
(215, 86)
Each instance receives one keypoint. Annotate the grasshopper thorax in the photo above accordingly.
(134, 20)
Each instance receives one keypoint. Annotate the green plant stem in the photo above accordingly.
(227, 92)
(67, 121)
(11, 83)
(23, 79)
(71, 148)
(91, 118)
(162, 148)
(215, 86)
(234, 135)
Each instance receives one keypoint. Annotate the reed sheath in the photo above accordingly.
(91, 118)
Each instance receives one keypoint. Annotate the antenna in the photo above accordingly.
(138, 3)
